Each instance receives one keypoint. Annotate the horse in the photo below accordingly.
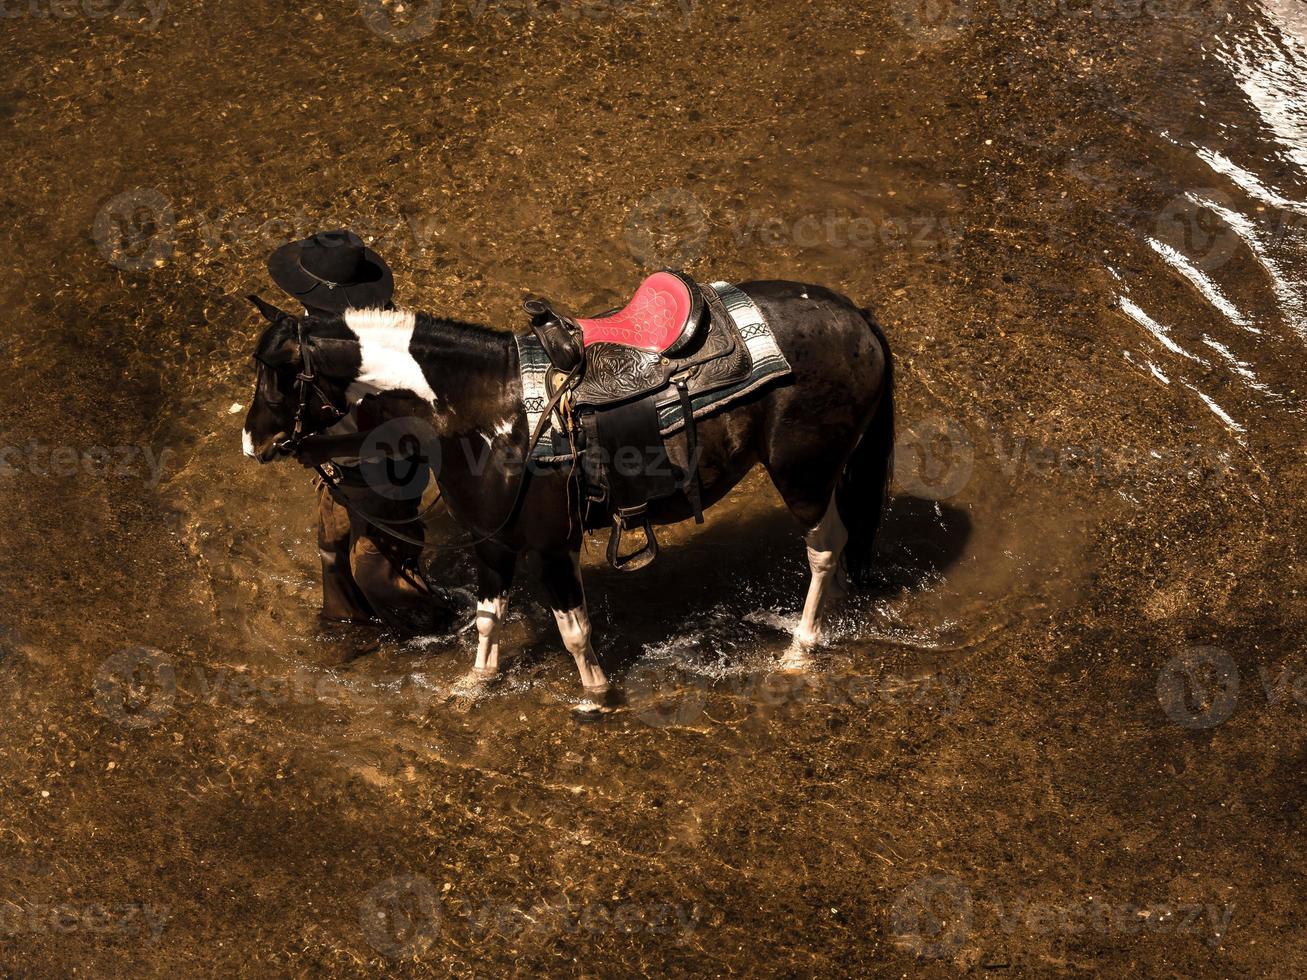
(825, 436)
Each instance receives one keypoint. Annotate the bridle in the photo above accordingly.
(306, 385)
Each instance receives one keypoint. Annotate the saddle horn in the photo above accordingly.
(558, 335)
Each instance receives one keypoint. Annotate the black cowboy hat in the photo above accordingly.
(332, 270)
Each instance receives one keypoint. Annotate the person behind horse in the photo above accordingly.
(366, 573)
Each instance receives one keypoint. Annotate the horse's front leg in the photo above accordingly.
(494, 577)
(562, 579)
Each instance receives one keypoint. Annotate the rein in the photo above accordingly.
(306, 383)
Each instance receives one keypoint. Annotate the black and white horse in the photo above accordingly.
(825, 437)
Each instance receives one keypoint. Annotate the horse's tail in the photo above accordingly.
(863, 490)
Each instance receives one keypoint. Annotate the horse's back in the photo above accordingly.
(831, 342)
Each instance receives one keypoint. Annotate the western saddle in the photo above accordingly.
(672, 342)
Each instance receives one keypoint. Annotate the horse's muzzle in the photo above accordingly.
(273, 449)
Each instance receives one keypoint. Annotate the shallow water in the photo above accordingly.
(1084, 228)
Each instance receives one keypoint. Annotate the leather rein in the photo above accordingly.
(306, 385)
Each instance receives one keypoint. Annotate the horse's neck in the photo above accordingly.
(462, 370)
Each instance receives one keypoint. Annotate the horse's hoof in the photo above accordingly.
(468, 688)
(599, 700)
(590, 708)
(798, 658)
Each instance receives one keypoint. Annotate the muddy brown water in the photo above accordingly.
(1064, 732)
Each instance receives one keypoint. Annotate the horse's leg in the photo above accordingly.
(562, 580)
(825, 545)
(806, 478)
(494, 576)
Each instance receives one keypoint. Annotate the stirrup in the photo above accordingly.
(622, 522)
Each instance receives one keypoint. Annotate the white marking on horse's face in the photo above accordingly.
(247, 443)
(384, 339)
(504, 427)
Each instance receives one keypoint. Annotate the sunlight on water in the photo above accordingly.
(1203, 283)
(1270, 69)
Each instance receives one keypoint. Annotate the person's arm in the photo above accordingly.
(350, 445)
(323, 448)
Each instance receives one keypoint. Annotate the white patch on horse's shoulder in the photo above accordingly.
(385, 362)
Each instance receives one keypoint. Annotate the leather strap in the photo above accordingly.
(692, 487)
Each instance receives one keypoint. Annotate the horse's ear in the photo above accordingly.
(270, 312)
(279, 344)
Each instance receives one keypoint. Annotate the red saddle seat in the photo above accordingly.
(662, 317)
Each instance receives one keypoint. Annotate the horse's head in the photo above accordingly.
(287, 389)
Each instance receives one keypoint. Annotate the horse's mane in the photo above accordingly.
(425, 324)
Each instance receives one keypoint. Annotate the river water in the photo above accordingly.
(1063, 731)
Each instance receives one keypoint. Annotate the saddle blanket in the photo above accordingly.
(769, 365)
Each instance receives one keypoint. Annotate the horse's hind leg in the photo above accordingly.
(825, 546)
(562, 580)
(805, 467)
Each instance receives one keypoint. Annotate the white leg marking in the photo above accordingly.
(574, 628)
(825, 545)
(490, 616)
(247, 443)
